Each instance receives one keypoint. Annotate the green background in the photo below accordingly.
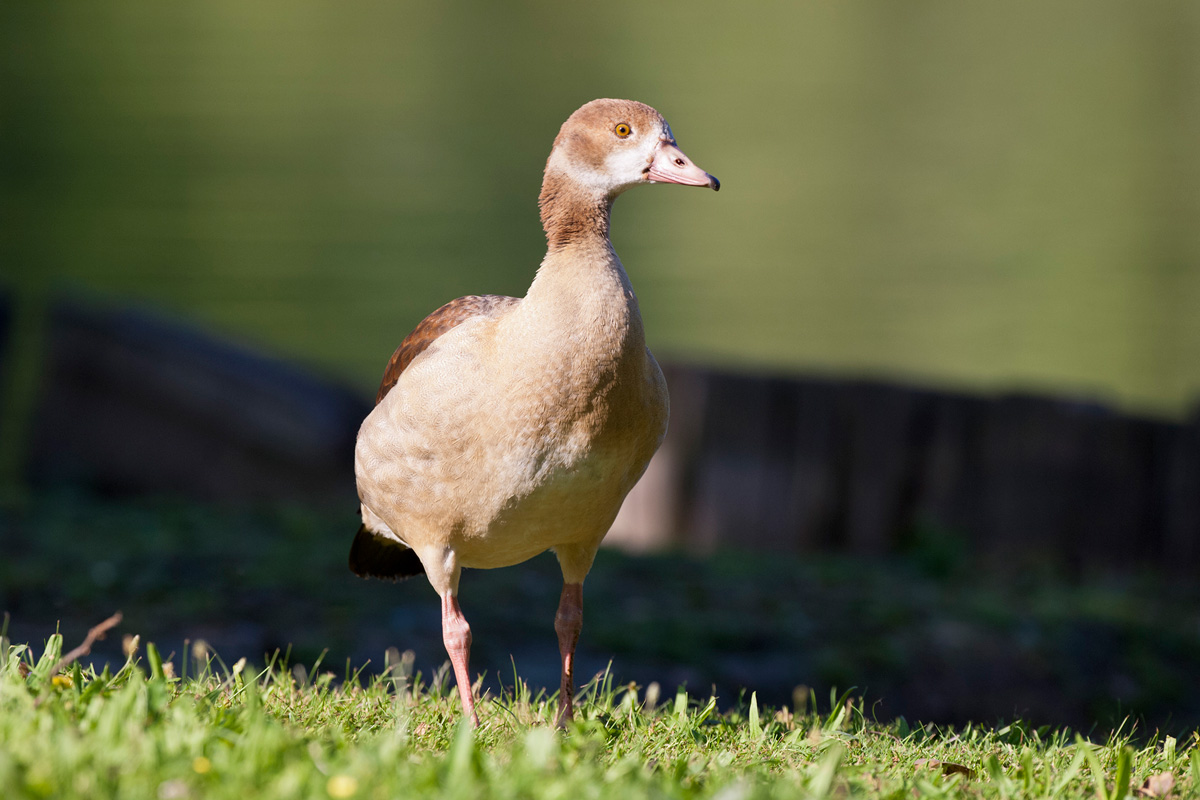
(989, 196)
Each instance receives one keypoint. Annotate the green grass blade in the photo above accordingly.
(1124, 772)
(756, 731)
(822, 780)
(995, 771)
(155, 662)
(1098, 776)
(1071, 773)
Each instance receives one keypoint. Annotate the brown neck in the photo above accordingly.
(571, 215)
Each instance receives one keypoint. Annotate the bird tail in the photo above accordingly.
(376, 556)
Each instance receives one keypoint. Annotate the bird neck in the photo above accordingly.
(581, 291)
(573, 215)
(579, 322)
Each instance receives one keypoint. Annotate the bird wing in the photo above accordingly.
(444, 319)
(378, 553)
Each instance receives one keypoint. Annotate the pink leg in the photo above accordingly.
(456, 635)
(567, 624)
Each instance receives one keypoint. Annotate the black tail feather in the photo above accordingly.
(373, 556)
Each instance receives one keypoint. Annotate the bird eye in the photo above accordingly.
(622, 130)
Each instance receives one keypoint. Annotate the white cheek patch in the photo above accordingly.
(627, 164)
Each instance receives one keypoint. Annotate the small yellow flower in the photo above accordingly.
(62, 681)
(342, 786)
(201, 765)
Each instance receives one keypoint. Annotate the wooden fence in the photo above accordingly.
(135, 403)
(803, 464)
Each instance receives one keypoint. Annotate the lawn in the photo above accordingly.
(195, 727)
(1037, 681)
(930, 634)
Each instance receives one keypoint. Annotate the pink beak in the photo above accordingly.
(670, 165)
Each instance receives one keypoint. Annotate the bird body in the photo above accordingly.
(505, 427)
(522, 430)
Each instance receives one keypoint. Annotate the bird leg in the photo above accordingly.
(567, 624)
(456, 635)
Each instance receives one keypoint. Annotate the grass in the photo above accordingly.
(149, 729)
(934, 634)
(927, 635)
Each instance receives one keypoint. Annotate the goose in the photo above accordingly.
(505, 427)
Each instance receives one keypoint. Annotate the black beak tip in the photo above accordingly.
(714, 183)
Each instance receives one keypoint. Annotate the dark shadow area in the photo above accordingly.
(929, 634)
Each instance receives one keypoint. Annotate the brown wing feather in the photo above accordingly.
(448, 316)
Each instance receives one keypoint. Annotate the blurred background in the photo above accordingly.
(935, 349)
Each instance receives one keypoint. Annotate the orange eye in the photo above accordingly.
(623, 130)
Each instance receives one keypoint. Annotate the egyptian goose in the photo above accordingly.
(505, 427)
